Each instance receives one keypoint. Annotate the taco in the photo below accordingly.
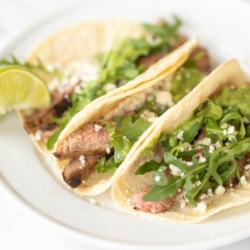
(87, 61)
(99, 141)
(194, 162)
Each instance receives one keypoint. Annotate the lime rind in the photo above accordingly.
(22, 89)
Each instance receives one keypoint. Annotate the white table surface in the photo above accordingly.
(18, 230)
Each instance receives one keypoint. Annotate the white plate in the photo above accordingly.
(26, 178)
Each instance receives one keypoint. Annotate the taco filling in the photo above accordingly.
(81, 83)
(101, 146)
(204, 156)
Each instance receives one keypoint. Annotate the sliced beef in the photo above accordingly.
(78, 170)
(47, 131)
(152, 206)
(149, 60)
(61, 101)
(204, 63)
(91, 140)
(41, 118)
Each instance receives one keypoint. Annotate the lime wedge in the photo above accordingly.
(21, 89)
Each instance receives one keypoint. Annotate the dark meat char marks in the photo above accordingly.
(89, 140)
(60, 103)
(76, 171)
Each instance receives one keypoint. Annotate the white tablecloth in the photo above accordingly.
(17, 229)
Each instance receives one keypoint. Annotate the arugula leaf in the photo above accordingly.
(106, 165)
(227, 175)
(184, 80)
(148, 167)
(190, 134)
(125, 135)
(121, 65)
(157, 192)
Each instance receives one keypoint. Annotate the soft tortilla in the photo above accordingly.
(127, 183)
(81, 42)
(98, 183)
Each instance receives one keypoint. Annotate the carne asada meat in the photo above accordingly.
(78, 170)
(61, 101)
(153, 206)
(203, 63)
(90, 140)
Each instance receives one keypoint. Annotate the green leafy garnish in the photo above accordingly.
(120, 66)
(211, 166)
(125, 135)
(106, 165)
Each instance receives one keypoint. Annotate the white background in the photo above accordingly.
(19, 230)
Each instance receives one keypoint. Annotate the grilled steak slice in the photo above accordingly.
(40, 118)
(91, 140)
(78, 170)
(61, 101)
(203, 63)
(47, 131)
(153, 206)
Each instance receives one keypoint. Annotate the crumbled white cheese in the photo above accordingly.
(157, 178)
(224, 125)
(149, 115)
(217, 144)
(78, 89)
(183, 203)
(50, 67)
(109, 87)
(211, 149)
(82, 159)
(202, 159)
(243, 180)
(97, 127)
(245, 120)
(203, 197)
(93, 201)
(231, 130)
(180, 135)
(204, 141)
(210, 192)
(220, 190)
(108, 149)
(247, 167)
(38, 135)
(175, 170)
(74, 80)
(201, 207)
(164, 98)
